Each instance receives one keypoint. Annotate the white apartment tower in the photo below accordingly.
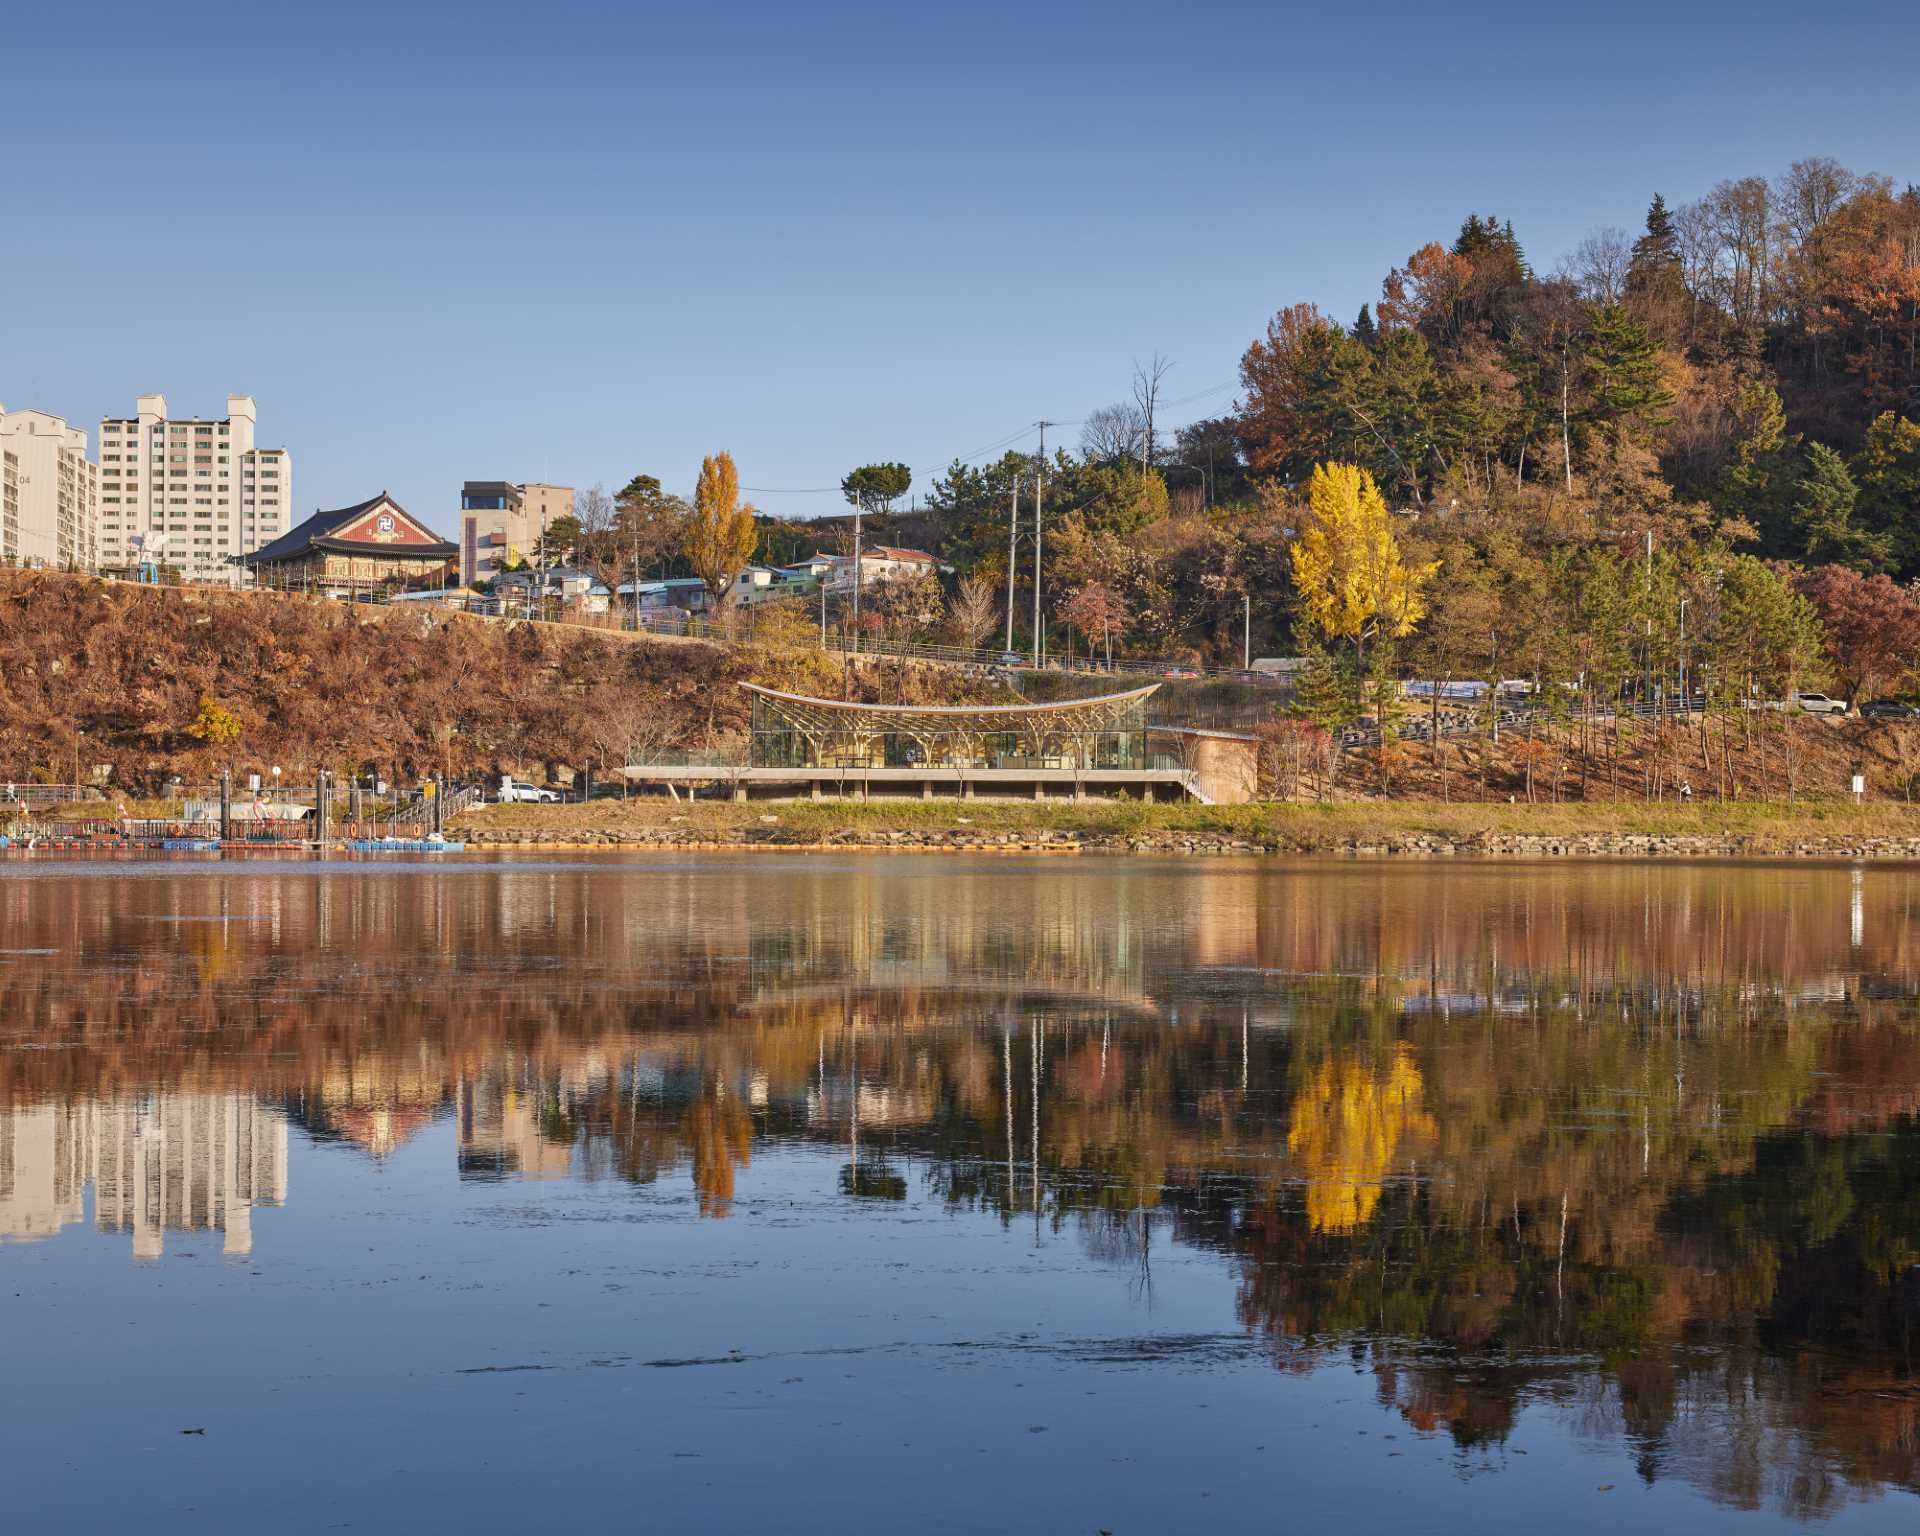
(190, 494)
(49, 492)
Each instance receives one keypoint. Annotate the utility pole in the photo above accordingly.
(1013, 534)
(1246, 642)
(856, 575)
(1039, 487)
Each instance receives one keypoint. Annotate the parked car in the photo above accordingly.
(1890, 709)
(527, 794)
(1820, 704)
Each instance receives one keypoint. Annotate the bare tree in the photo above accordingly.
(1112, 433)
(1740, 213)
(597, 549)
(1811, 193)
(1598, 266)
(1146, 396)
(974, 612)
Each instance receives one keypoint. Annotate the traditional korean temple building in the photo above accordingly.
(374, 545)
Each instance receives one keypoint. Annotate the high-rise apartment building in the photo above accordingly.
(49, 493)
(503, 524)
(190, 494)
(9, 501)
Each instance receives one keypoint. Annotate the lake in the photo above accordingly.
(955, 1194)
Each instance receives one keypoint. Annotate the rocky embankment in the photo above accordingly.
(1605, 844)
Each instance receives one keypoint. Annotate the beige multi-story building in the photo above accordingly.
(49, 493)
(9, 501)
(503, 524)
(190, 494)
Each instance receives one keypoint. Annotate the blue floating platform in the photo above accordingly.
(190, 844)
(402, 845)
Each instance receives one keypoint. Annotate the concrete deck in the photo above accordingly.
(929, 783)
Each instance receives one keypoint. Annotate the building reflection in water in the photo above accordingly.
(157, 1163)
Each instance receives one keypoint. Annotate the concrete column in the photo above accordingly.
(739, 794)
(322, 805)
(226, 804)
(966, 789)
(926, 789)
(1039, 790)
(813, 789)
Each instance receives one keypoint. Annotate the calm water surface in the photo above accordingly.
(948, 1195)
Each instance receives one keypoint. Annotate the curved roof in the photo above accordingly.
(318, 531)
(1058, 706)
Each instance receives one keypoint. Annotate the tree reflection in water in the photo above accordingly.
(1638, 1145)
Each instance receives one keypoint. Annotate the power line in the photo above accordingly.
(996, 445)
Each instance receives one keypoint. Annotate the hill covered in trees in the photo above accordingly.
(1573, 453)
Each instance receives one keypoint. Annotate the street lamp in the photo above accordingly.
(276, 783)
(1206, 489)
(1686, 700)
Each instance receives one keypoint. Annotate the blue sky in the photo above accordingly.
(579, 241)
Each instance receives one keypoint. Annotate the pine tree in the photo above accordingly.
(1655, 263)
(1363, 327)
(1887, 470)
(1757, 485)
(1823, 515)
(1623, 366)
(1656, 282)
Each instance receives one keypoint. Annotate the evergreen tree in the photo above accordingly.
(1759, 480)
(1656, 282)
(1399, 411)
(1363, 327)
(1823, 515)
(1490, 245)
(1655, 262)
(1887, 470)
(1627, 395)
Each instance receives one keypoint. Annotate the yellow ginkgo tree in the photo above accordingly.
(1349, 574)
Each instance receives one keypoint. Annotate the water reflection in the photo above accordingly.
(1637, 1147)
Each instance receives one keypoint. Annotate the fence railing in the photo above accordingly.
(739, 631)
